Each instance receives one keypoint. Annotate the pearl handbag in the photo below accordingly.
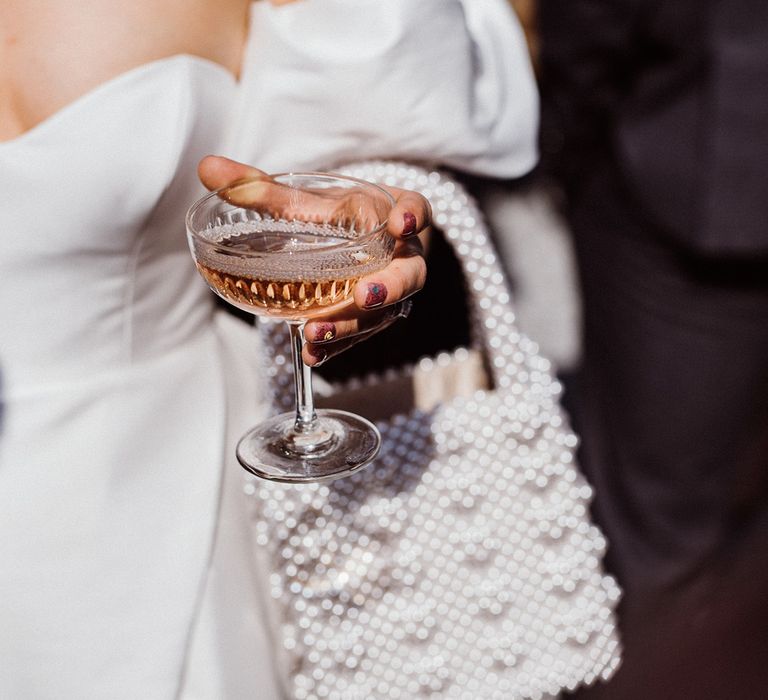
(462, 563)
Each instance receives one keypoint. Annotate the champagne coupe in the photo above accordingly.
(291, 247)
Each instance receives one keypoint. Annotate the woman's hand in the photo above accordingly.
(381, 297)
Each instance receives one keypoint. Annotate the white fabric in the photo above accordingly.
(234, 649)
(429, 80)
(120, 400)
(113, 405)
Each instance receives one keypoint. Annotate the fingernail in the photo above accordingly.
(319, 355)
(323, 332)
(375, 296)
(409, 224)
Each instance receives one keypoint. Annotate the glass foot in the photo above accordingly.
(340, 444)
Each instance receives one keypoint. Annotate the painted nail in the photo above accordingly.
(409, 224)
(375, 296)
(323, 332)
(319, 355)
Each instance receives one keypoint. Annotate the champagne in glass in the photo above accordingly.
(292, 247)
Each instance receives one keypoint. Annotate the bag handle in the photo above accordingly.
(513, 358)
(458, 216)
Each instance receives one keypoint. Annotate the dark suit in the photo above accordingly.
(677, 91)
(655, 122)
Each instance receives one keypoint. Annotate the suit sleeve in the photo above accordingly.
(587, 54)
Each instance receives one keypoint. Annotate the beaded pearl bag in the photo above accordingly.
(462, 563)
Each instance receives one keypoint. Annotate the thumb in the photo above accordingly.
(216, 171)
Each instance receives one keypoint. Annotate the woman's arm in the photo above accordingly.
(439, 81)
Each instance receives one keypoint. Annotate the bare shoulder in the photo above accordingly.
(53, 51)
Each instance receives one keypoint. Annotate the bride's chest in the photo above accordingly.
(54, 52)
(98, 174)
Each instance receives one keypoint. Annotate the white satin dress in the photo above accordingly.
(126, 570)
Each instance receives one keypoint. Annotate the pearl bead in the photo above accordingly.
(462, 563)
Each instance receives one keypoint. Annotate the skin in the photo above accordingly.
(404, 276)
(54, 51)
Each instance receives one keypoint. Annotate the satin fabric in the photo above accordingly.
(125, 570)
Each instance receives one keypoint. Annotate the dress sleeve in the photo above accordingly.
(445, 82)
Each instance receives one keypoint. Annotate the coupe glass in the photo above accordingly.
(291, 247)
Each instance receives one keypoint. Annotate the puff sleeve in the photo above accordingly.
(444, 82)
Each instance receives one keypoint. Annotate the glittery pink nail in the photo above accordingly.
(409, 224)
(375, 296)
(323, 332)
(319, 355)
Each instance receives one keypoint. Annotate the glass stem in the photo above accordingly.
(305, 405)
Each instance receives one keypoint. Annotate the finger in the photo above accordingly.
(216, 172)
(314, 354)
(410, 215)
(242, 185)
(249, 187)
(329, 330)
(404, 276)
